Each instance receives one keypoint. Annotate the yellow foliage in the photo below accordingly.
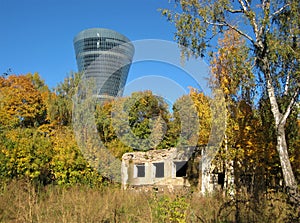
(20, 102)
(202, 105)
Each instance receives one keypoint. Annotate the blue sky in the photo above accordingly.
(37, 35)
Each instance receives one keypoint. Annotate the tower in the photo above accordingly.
(105, 56)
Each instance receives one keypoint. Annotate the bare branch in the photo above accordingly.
(287, 84)
(235, 10)
(248, 4)
(240, 32)
(278, 11)
(250, 15)
(215, 23)
(225, 24)
(266, 8)
(289, 108)
(243, 5)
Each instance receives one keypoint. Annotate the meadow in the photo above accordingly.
(21, 201)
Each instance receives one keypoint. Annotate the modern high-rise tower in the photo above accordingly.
(105, 56)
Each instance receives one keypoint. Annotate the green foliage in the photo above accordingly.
(186, 121)
(59, 104)
(68, 165)
(141, 120)
(106, 130)
(170, 210)
(38, 83)
(148, 117)
(103, 121)
(26, 153)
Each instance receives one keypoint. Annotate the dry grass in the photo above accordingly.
(21, 202)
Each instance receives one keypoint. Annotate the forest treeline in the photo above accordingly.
(38, 142)
(37, 137)
(38, 146)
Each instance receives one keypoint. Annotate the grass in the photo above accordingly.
(20, 202)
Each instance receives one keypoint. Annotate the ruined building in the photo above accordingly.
(170, 169)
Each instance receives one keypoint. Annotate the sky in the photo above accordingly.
(37, 36)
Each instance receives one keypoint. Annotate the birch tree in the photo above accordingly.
(271, 29)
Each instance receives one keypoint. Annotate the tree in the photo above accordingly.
(269, 138)
(193, 119)
(203, 109)
(68, 165)
(103, 121)
(187, 121)
(271, 28)
(106, 129)
(25, 153)
(141, 120)
(21, 103)
(231, 72)
(231, 68)
(59, 103)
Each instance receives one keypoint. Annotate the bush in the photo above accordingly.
(167, 209)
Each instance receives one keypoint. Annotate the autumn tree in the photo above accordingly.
(271, 29)
(106, 130)
(21, 103)
(231, 68)
(202, 105)
(68, 165)
(141, 120)
(25, 153)
(103, 121)
(231, 72)
(34, 144)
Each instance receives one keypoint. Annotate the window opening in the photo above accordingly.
(140, 170)
(159, 170)
(181, 168)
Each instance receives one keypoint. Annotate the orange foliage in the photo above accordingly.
(20, 103)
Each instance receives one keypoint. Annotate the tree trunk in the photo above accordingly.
(281, 146)
(280, 121)
(289, 178)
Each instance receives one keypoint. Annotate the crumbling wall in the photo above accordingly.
(150, 162)
(140, 169)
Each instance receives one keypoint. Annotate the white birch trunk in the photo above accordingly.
(280, 121)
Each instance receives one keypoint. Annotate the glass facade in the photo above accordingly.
(105, 56)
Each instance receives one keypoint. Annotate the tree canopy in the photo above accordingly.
(271, 32)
